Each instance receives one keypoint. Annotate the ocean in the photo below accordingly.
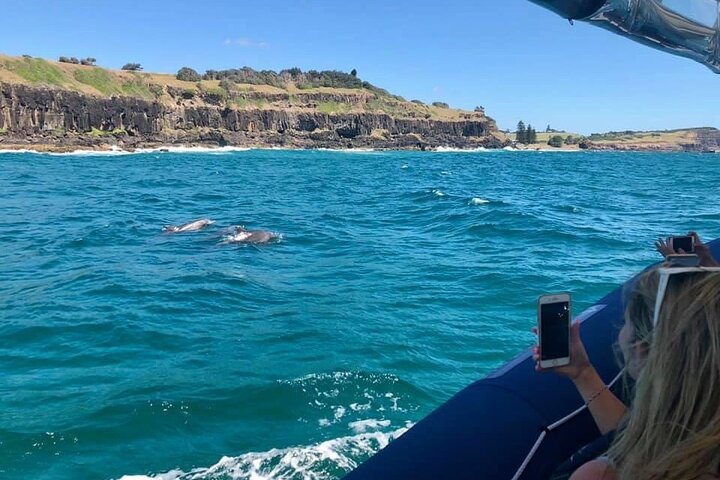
(399, 278)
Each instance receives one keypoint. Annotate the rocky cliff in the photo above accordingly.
(61, 119)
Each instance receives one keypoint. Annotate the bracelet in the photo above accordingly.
(596, 395)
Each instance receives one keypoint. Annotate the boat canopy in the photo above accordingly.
(690, 28)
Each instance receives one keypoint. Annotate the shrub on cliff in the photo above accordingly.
(68, 60)
(303, 80)
(555, 141)
(440, 105)
(573, 140)
(156, 90)
(132, 67)
(89, 61)
(187, 74)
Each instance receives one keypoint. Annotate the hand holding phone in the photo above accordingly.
(554, 330)
(683, 244)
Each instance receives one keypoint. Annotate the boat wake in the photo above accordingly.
(325, 460)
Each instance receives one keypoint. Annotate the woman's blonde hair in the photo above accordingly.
(640, 305)
(673, 429)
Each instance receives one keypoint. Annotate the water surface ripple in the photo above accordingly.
(401, 277)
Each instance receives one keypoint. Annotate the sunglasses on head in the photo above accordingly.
(665, 274)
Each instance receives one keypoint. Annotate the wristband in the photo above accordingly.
(596, 395)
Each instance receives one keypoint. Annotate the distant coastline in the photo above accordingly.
(63, 107)
(104, 150)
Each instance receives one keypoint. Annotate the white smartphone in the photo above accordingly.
(554, 329)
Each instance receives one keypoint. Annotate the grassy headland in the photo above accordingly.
(702, 138)
(286, 91)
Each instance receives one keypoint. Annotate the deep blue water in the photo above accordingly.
(400, 278)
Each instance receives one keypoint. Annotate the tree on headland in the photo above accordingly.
(521, 134)
(440, 105)
(555, 141)
(89, 61)
(530, 135)
(187, 74)
(353, 73)
(133, 67)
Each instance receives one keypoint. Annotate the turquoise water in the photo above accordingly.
(400, 278)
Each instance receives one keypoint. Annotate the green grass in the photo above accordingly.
(219, 92)
(3, 131)
(137, 88)
(244, 103)
(99, 79)
(109, 84)
(380, 105)
(156, 90)
(333, 107)
(38, 71)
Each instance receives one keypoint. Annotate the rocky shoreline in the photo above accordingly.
(60, 120)
(45, 119)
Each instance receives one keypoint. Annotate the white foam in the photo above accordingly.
(22, 150)
(339, 412)
(302, 462)
(541, 150)
(362, 426)
(438, 193)
(115, 150)
(357, 407)
(459, 150)
(347, 150)
(478, 201)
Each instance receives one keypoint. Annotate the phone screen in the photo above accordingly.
(684, 243)
(554, 330)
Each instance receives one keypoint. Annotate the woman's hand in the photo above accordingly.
(705, 257)
(664, 246)
(579, 361)
(703, 252)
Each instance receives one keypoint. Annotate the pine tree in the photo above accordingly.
(530, 135)
(521, 135)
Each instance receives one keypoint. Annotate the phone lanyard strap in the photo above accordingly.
(565, 419)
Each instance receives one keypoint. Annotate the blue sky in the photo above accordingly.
(510, 56)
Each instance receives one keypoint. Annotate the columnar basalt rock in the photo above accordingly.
(41, 115)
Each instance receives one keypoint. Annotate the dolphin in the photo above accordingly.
(240, 234)
(188, 227)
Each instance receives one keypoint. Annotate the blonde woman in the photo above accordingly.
(633, 345)
(673, 429)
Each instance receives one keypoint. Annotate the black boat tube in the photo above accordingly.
(693, 32)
